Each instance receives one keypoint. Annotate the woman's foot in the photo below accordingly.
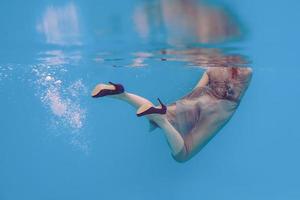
(148, 109)
(102, 90)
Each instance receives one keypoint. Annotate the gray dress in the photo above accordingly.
(199, 115)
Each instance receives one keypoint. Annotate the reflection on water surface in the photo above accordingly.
(188, 32)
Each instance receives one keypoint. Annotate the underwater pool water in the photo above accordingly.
(56, 142)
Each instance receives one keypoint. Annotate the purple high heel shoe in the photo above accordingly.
(153, 110)
(101, 91)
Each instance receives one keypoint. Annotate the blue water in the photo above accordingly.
(58, 143)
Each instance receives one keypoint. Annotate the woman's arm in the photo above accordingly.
(203, 81)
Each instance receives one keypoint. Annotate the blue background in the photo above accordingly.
(255, 156)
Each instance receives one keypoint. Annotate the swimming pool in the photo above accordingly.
(58, 143)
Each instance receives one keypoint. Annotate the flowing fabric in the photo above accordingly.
(201, 113)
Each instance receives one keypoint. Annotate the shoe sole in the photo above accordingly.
(100, 87)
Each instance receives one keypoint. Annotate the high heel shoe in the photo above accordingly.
(102, 90)
(148, 109)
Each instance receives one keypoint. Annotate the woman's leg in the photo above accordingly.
(175, 140)
(132, 99)
(173, 137)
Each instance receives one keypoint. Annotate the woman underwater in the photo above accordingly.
(193, 120)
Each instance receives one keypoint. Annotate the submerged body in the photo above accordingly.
(202, 113)
(193, 120)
